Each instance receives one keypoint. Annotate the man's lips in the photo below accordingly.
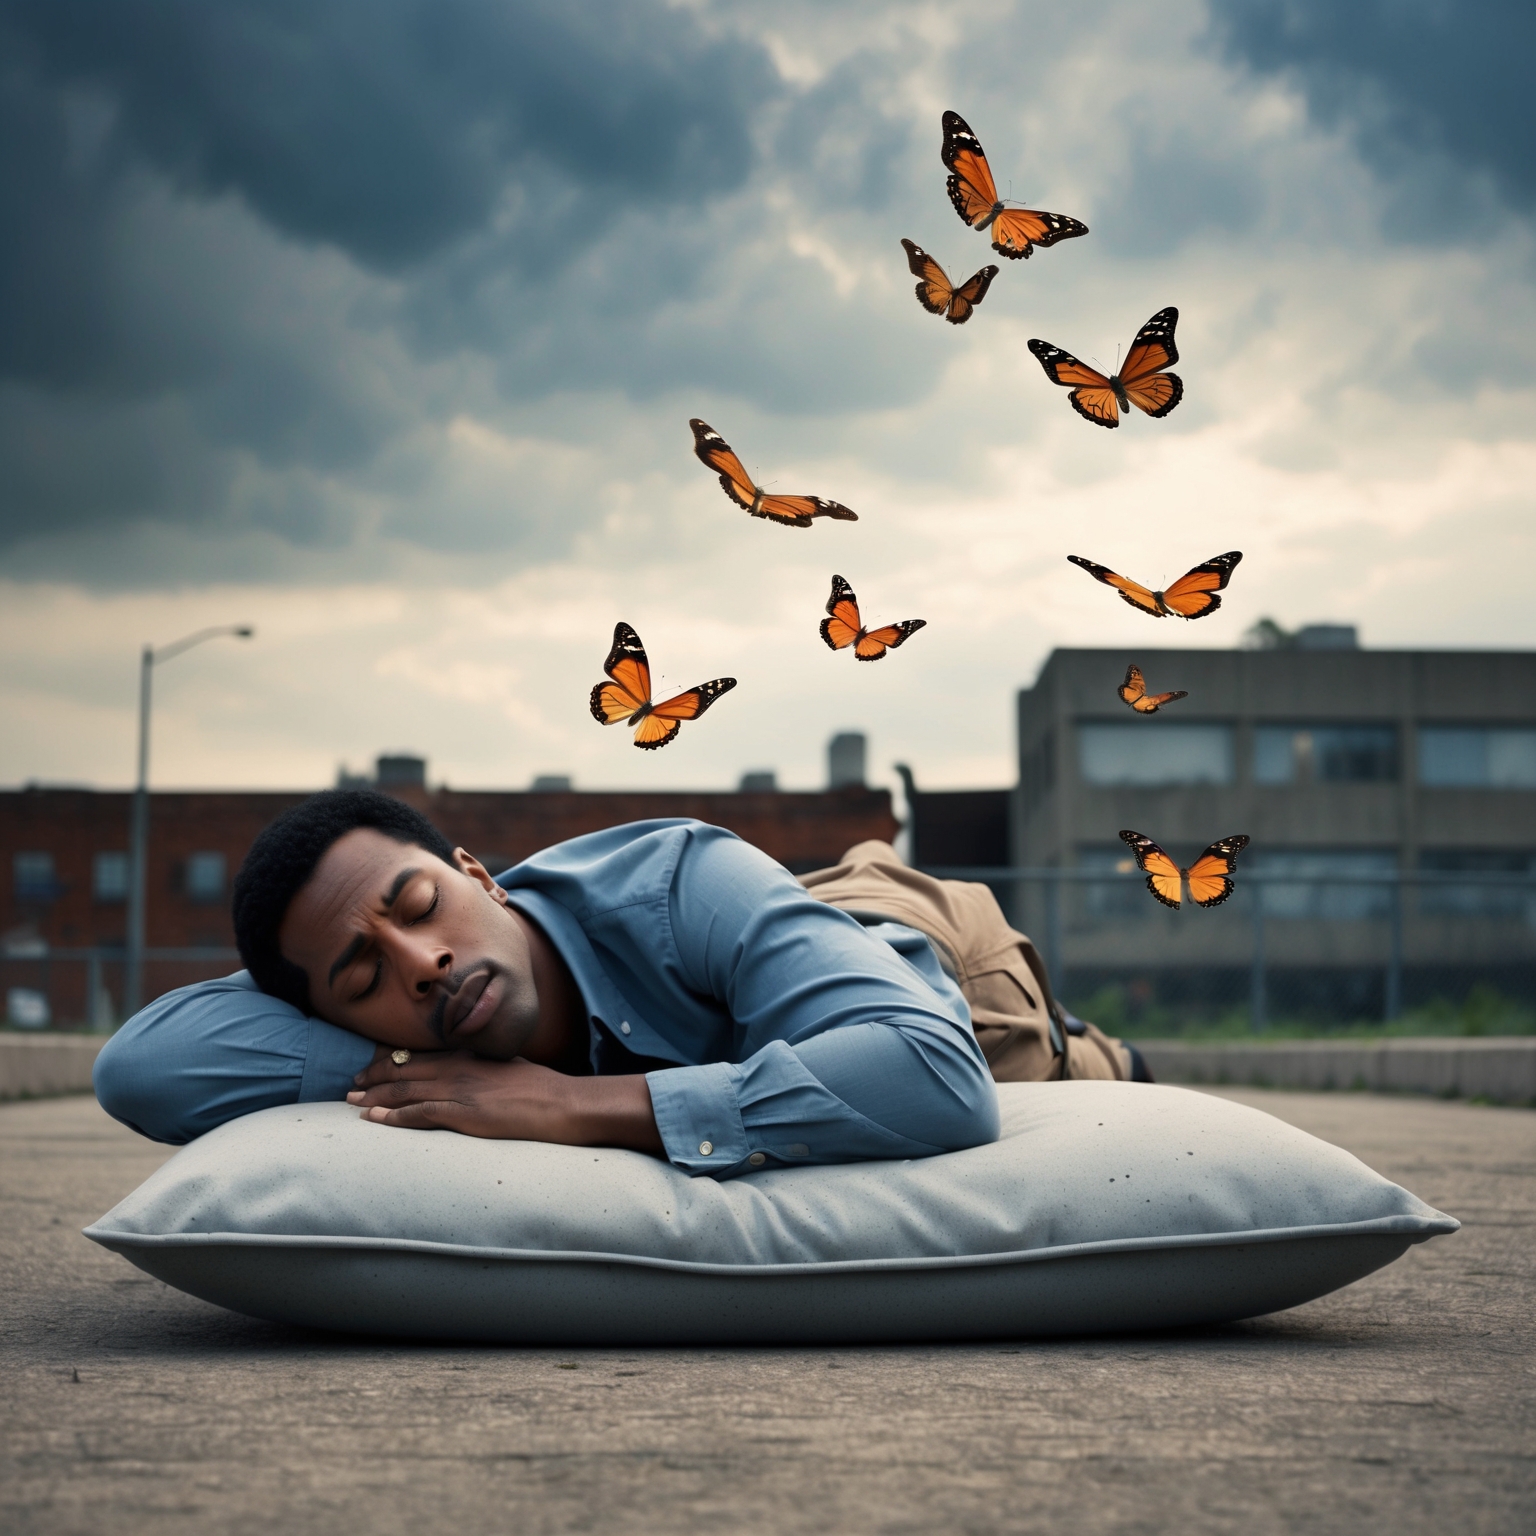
(472, 1005)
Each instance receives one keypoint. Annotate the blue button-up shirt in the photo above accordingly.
(772, 1028)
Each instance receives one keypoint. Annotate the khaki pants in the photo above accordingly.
(1021, 1028)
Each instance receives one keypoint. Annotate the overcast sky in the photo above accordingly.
(378, 324)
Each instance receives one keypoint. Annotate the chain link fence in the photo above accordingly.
(1309, 944)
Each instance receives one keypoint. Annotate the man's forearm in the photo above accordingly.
(612, 1112)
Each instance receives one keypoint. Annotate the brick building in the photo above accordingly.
(64, 863)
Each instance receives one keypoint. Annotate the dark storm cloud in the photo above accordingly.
(1416, 80)
(390, 127)
(177, 180)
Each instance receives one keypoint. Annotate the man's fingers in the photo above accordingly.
(429, 1115)
(403, 1090)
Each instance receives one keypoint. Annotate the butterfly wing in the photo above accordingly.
(1193, 595)
(873, 645)
(654, 732)
(713, 450)
(968, 295)
(934, 291)
(1149, 704)
(1017, 231)
(1210, 876)
(1093, 396)
(1161, 872)
(665, 720)
(970, 185)
(797, 511)
(1145, 384)
(842, 626)
(630, 689)
(1130, 591)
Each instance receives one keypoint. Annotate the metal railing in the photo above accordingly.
(1051, 882)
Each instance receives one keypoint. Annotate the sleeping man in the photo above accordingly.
(661, 986)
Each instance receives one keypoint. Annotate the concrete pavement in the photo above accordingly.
(1403, 1404)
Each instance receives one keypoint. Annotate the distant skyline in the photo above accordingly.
(379, 326)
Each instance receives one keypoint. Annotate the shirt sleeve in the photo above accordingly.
(204, 1054)
(844, 1051)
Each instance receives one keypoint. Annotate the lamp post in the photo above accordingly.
(138, 846)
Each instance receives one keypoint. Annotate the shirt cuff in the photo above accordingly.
(332, 1058)
(699, 1118)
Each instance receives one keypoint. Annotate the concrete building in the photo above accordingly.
(1346, 767)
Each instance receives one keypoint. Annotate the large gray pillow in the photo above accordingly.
(1104, 1206)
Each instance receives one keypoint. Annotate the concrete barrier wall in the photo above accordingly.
(43, 1066)
(1502, 1068)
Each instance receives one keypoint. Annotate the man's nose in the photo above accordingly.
(425, 965)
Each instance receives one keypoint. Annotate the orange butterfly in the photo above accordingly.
(937, 294)
(1192, 596)
(1140, 381)
(628, 696)
(844, 627)
(1015, 231)
(792, 511)
(1209, 876)
(1133, 691)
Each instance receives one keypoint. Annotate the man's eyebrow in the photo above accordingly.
(399, 884)
(347, 956)
(355, 948)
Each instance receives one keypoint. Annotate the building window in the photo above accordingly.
(1476, 757)
(1150, 756)
(1324, 754)
(1446, 898)
(205, 876)
(32, 877)
(1332, 884)
(109, 877)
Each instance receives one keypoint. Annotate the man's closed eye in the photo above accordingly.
(373, 983)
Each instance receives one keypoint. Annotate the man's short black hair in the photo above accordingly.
(283, 858)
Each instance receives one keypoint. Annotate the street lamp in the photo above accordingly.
(133, 982)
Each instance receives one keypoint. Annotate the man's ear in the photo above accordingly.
(468, 864)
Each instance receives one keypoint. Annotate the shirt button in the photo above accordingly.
(624, 1027)
(705, 1148)
(757, 1159)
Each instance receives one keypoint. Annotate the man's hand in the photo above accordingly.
(507, 1100)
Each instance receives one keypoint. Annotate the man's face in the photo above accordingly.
(409, 951)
